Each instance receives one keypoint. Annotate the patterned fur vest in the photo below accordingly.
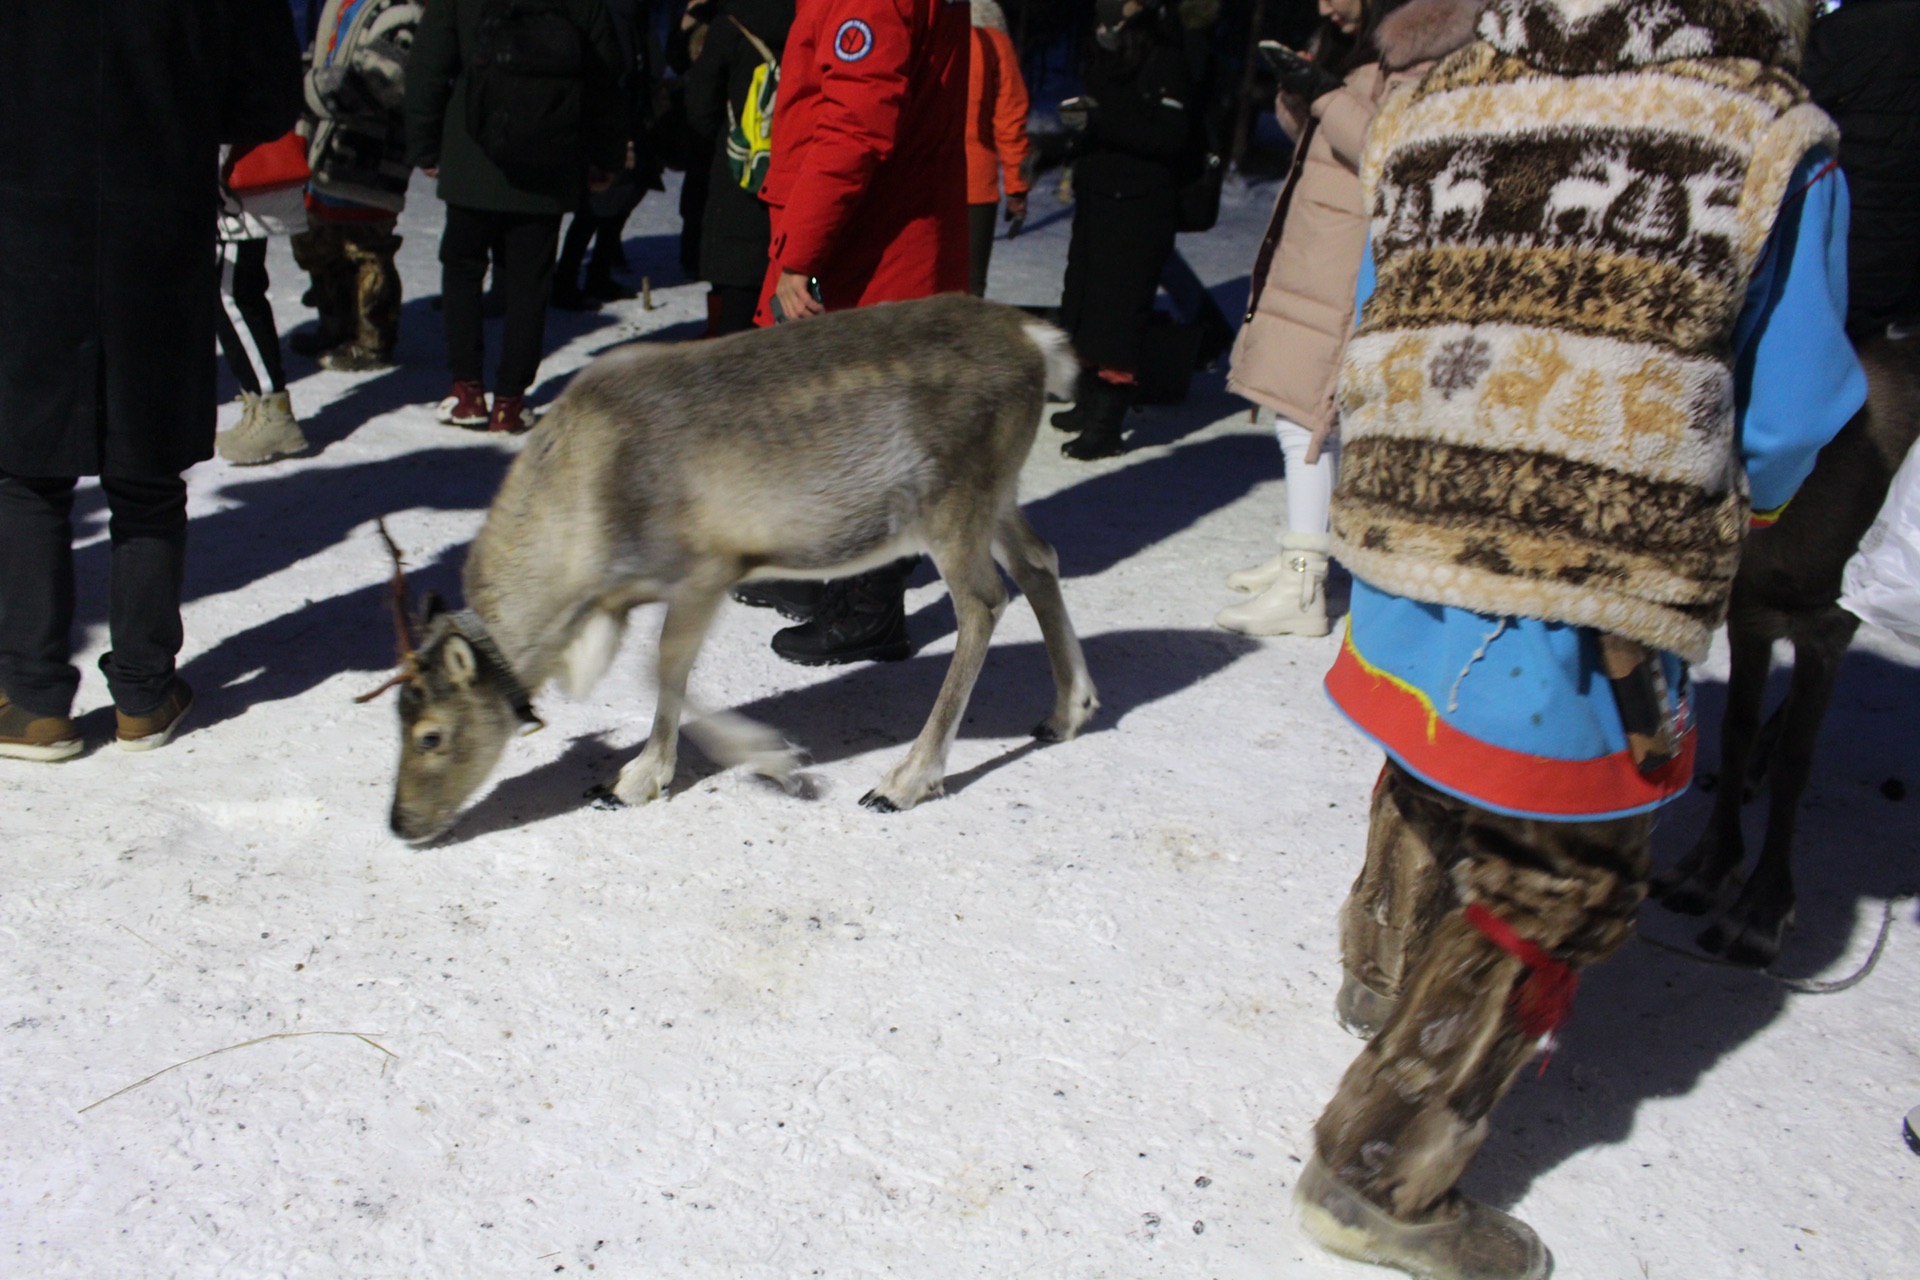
(1538, 408)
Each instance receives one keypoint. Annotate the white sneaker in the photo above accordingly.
(1294, 603)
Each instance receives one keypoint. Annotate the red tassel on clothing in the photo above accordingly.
(1543, 1001)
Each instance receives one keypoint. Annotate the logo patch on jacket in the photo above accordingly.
(853, 41)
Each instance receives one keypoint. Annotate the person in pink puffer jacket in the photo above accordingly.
(1287, 359)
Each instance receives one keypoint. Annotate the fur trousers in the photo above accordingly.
(356, 287)
(1411, 1112)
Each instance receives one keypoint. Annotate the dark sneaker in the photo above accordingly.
(25, 736)
(156, 727)
(511, 416)
(795, 598)
(465, 406)
(1461, 1239)
(351, 357)
(861, 619)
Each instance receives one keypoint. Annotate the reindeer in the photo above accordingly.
(1787, 587)
(670, 473)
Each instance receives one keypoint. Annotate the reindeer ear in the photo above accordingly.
(431, 607)
(458, 660)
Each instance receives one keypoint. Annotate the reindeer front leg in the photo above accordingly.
(689, 614)
(978, 598)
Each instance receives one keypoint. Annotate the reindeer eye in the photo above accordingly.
(430, 741)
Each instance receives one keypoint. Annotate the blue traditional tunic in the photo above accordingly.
(1515, 714)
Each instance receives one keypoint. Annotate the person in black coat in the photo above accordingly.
(734, 227)
(601, 217)
(1863, 68)
(507, 214)
(109, 154)
(1138, 145)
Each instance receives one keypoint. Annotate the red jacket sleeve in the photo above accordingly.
(1010, 116)
(865, 52)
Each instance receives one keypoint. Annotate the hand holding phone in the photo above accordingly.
(1298, 76)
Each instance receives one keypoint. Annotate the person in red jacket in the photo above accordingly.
(996, 138)
(868, 193)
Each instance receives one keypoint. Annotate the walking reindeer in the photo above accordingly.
(670, 473)
(1788, 587)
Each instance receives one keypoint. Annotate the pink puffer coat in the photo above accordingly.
(1290, 348)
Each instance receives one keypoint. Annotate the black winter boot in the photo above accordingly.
(795, 598)
(1100, 437)
(860, 619)
(1076, 418)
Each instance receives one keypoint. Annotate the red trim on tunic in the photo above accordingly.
(1403, 721)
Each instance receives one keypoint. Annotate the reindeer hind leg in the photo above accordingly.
(1754, 927)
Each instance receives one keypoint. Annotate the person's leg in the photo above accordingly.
(148, 530)
(1412, 1111)
(370, 249)
(567, 294)
(607, 254)
(980, 245)
(1394, 904)
(733, 313)
(527, 276)
(245, 319)
(464, 249)
(1291, 595)
(320, 252)
(36, 594)
(1128, 242)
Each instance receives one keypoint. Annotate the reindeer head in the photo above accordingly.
(459, 704)
(457, 711)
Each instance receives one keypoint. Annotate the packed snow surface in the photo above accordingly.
(1072, 1020)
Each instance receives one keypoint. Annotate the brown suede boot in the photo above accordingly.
(25, 736)
(154, 728)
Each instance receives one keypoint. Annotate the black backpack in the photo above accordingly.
(525, 85)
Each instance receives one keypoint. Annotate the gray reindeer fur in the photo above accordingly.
(669, 473)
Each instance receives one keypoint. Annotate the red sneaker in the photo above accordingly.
(465, 406)
(511, 415)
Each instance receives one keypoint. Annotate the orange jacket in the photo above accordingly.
(996, 111)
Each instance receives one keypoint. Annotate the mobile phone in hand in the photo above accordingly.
(780, 312)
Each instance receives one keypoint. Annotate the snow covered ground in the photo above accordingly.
(1074, 1020)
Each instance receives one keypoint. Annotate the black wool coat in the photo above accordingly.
(111, 117)
(735, 227)
(437, 134)
(1863, 68)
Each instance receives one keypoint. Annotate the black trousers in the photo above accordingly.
(147, 528)
(980, 245)
(730, 309)
(521, 245)
(247, 333)
(1114, 259)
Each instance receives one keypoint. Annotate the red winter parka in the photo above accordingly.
(868, 181)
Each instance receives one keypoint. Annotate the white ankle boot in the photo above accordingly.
(1294, 601)
(1261, 576)
(267, 430)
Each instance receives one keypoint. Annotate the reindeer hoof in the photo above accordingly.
(878, 803)
(600, 796)
(1045, 732)
(1687, 898)
(1749, 943)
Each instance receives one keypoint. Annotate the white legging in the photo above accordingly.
(1309, 485)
